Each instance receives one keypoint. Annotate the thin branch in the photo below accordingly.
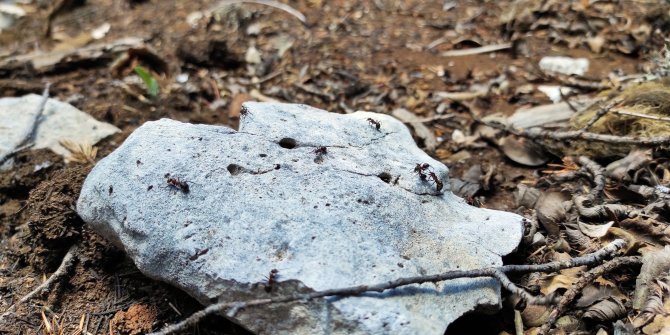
(476, 51)
(643, 116)
(581, 134)
(599, 114)
(598, 173)
(64, 268)
(496, 272)
(583, 84)
(584, 281)
(607, 211)
(270, 3)
(541, 134)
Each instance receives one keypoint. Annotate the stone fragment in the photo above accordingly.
(242, 203)
(59, 121)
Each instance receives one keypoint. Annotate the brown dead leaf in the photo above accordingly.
(596, 292)
(595, 230)
(551, 210)
(558, 282)
(655, 317)
(660, 231)
(610, 308)
(523, 151)
(577, 239)
(623, 168)
(562, 280)
(654, 265)
(535, 315)
(526, 196)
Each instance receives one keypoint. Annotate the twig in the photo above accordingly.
(496, 272)
(584, 281)
(476, 51)
(598, 173)
(270, 3)
(581, 134)
(603, 211)
(541, 134)
(599, 114)
(643, 116)
(326, 97)
(64, 268)
(583, 84)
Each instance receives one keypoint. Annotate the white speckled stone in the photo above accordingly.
(60, 121)
(356, 215)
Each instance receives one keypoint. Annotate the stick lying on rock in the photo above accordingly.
(495, 272)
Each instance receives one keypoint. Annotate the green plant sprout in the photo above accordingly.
(149, 81)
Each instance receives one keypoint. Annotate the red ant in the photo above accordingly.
(320, 151)
(438, 182)
(176, 183)
(420, 169)
(374, 123)
(272, 279)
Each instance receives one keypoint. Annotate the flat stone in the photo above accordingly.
(261, 198)
(59, 121)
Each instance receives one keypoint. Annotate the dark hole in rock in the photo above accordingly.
(277, 166)
(385, 176)
(234, 169)
(262, 155)
(287, 143)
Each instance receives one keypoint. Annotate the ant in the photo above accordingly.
(320, 151)
(438, 182)
(272, 280)
(374, 123)
(176, 183)
(420, 169)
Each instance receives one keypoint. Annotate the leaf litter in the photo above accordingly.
(465, 80)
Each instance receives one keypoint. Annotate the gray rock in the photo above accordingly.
(261, 199)
(59, 121)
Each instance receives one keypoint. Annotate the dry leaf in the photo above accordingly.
(595, 230)
(610, 308)
(526, 196)
(622, 168)
(654, 264)
(523, 151)
(551, 209)
(594, 293)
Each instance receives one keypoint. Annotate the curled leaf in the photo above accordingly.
(610, 308)
(551, 209)
(622, 168)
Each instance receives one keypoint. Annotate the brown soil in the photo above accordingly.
(368, 55)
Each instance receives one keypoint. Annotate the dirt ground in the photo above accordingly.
(349, 55)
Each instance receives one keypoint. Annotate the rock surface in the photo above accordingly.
(261, 198)
(59, 121)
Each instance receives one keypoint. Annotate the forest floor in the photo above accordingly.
(348, 55)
